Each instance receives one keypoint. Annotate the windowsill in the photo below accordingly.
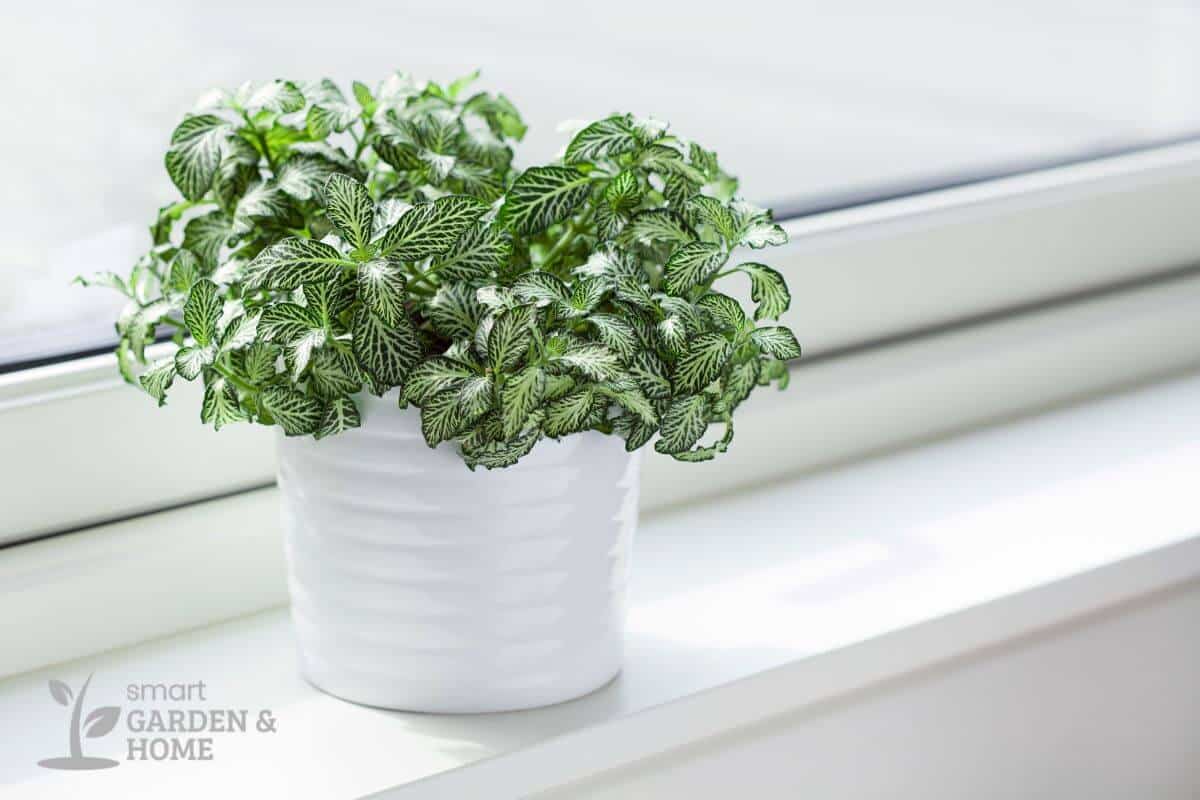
(759, 604)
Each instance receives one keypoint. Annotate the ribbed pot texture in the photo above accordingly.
(417, 584)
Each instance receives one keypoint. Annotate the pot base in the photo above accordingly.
(455, 700)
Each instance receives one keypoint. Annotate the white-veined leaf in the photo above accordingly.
(657, 225)
(669, 161)
(258, 361)
(617, 334)
(591, 358)
(634, 430)
(385, 352)
(195, 152)
(340, 415)
(480, 251)
(293, 410)
(202, 310)
(509, 339)
(282, 322)
(263, 200)
(475, 396)
(303, 176)
(294, 262)
(206, 235)
(221, 406)
(724, 309)
(282, 97)
(576, 411)
(714, 213)
(441, 418)
(768, 289)
(651, 374)
(381, 285)
(542, 196)
(628, 396)
(672, 333)
(454, 311)
(701, 362)
(430, 229)
(602, 139)
(523, 391)
(350, 209)
(494, 455)
(333, 372)
(433, 377)
(739, 382)
(158, 379)
(190, 361)
(683, 423)
(778, 341)
(690, 265)
(623, 192)
(541, 287)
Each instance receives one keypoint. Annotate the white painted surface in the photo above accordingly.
(758, 604)
(1108, 709)
(419, 585)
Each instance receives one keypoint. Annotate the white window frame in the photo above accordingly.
(85, 449)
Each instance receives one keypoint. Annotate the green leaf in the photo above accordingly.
(294, 262)
(690, 265)
(108, 280)
(635, 431)
(702, 362)
(201, 311)
(454, 311)
(725, 310)
(284, 322)
(768, 289)
(381, 286)
(651, 374)
(330, 116)
(494, 454)
(586, 295)
(617, 334)
(184, 271)
(592, 359)
(521, 393)
(672, 332)
(683, 423)
(762, 233)
(258, 362)
(715, 214)
(158, 379)
(385, 352)
(433, 377)
(509, 339)
(668, 161)
(189, 362)
(241, 331)
(458, 84)
(623, 192)
(499, 113)
(333, 372)
(340, 415)
(475, 396)
(262, 201)
(657, 225)
(304, 176)
(542, 196)
(363, 95)
(221, 405)
(430, 229)
(479, 252)
(206, 235)
(441, 418)
(282, 97)
(577, 411)
(195, 152)
(777, 341)
(350, 209)
(299, 351)
(541, 287)
(627, 395)
(603, 139)
(739, 382)
(297, 413)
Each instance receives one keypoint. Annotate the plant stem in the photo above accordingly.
(573, 228)
(235, 380)
(262, 141)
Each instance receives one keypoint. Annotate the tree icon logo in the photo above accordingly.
(98, 723)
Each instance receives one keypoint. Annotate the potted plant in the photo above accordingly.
(370, 274)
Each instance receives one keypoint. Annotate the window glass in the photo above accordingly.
(813, 105)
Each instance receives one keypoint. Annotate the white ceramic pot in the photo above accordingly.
(417, 584)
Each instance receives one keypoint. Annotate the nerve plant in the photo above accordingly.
(328, 245)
